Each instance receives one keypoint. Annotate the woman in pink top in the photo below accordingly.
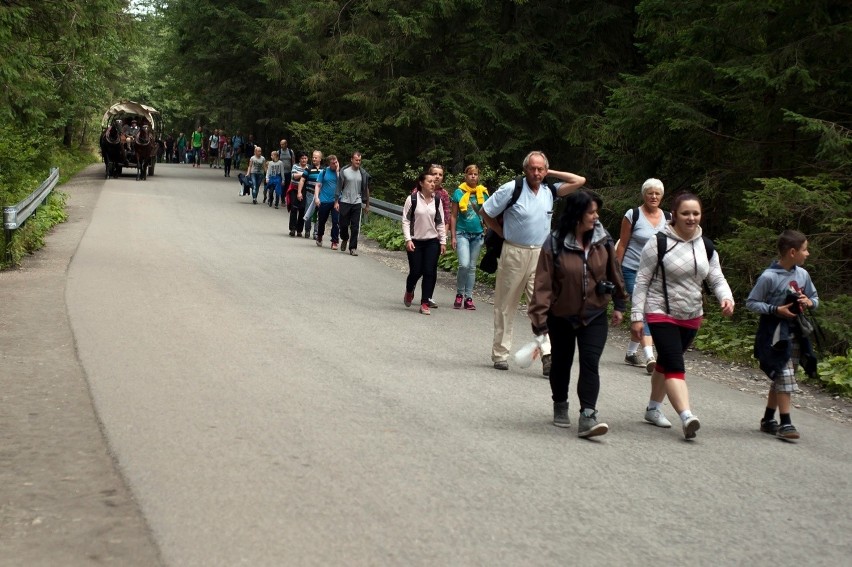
(425, 237)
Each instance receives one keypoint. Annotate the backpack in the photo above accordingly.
(438, 209)
(635, 219)
(709, 247)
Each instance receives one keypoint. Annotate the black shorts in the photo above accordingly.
(213, 152)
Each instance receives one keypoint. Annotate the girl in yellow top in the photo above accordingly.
(467, 203)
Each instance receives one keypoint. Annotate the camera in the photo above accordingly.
(605, 287)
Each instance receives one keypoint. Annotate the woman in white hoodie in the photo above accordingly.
(667, 296)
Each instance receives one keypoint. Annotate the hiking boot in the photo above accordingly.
(501, 365)
(769, 426)
(292, 233)
(788, 431)
(432, 304)
(656, 417)
(408, 298)
(343, 244)
(457, 304)
(650, 365)
(424, 309)
(632, 359)
(468, 304)
(690, 427)
(546, 363)
(560, 414)
(589, 426)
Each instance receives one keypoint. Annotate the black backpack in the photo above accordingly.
(662, 239)
(493, 240)
(438, 210)
(635, 219)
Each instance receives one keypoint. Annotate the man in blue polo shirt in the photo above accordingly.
(526, 225)
(326, 188)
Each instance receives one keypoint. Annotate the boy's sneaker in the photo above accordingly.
(457, 304)
(690, 427)
(560, 414)
(468, 304)
(632, 359)
(408, 298)
(769, 426)
(787, 432)
(589, 426)
(656, 417)
(650, 365)
(501, 365)
(424, 309)
(432, 304)
(343, 244)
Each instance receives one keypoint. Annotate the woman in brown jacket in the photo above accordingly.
(576, 278)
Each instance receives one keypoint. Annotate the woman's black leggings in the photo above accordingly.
(423, 262)
(671, 341)
(590, 339)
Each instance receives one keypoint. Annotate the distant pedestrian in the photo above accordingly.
(353, 192)
(213, 148)
(237, 142)
(326, 188)
(197, 142)
(782, 292)
(227, 157)
(274, 179)
(256, 171)
(307, 185)
(467, 239)
(296, 206)
(425, 240)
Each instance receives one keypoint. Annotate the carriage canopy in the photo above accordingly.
(129, 109)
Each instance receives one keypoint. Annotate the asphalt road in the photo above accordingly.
(271, 403)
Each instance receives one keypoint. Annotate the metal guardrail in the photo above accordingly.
(16, 215)
(386, 209)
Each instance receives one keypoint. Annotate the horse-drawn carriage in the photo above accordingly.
(130, 137)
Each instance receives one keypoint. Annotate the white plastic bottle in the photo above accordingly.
(529, 352)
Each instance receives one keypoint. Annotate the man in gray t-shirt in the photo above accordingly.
(352, 192)
(288, 158)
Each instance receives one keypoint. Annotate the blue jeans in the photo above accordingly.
(468, 245)
(256, 180)
(629, 283)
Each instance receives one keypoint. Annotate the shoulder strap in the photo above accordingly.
(635, 218)
(438, 209)
(413, 206)
(516, 193)
(709, 247)
(662, 241)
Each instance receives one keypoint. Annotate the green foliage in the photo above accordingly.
(835, 374)
(386, 232)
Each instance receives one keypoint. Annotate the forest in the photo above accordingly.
(744, 102)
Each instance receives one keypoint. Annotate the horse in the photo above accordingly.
(112, 150)
(145, 147)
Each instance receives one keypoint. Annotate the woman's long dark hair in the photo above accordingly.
(576, 205)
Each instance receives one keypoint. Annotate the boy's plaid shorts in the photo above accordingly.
(785, 381)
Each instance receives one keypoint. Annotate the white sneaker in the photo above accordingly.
(650, 365)
(656, 417)
(690, 426)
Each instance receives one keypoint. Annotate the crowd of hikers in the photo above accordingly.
(570, 274)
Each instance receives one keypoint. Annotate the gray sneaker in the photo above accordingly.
(560, 414)
(656, 417)
(632, 359)
(589, 426)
